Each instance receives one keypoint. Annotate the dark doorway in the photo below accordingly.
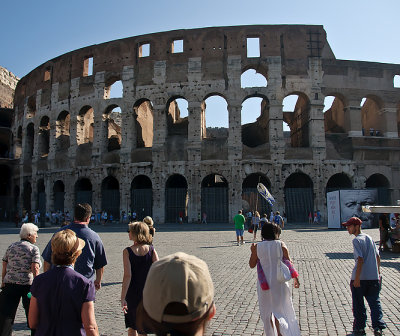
(252, 200)
(381, 184)
(83, 191)
(176, 198)
(110, 197)
(141, 197)
(214, 198)
(59, 193)
(299, 197)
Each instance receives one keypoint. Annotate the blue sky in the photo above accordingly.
(35, 31)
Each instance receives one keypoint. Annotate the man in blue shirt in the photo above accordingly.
(93, 258)
(365, 279)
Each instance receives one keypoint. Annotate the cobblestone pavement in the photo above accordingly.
(323, 258)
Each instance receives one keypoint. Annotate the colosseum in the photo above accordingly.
(73, 142)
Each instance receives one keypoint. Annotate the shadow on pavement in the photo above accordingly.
(340, 255)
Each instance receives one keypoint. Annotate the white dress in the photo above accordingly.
(277, 300)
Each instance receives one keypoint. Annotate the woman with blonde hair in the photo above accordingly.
(62, 300)
(255, 222)
(21, 264)
(137, 261)
(149, 221)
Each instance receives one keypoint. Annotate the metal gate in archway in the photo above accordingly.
(256, 201)
(110, 202)
(298, 203)
(82, 196)
(176, 200)
(214, 202)
(59, 201)
(142, 202)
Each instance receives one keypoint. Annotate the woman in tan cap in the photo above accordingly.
(62, 299)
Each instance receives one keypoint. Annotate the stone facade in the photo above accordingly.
(71, 147)
(8, 82)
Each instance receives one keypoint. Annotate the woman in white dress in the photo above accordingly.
(276, 307)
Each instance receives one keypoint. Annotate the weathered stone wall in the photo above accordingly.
(295, 59)
(8, 82)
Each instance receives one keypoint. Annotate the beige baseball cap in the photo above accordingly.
(178, 278)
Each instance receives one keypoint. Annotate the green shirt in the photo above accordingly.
(239, 221)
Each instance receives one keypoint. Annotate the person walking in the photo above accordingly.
(255, 222)
(137, 261)
(62, 300)
(275, 303)
(239, 226)
(21, 264)
(278, 220)
(93, 258)
(365, 279)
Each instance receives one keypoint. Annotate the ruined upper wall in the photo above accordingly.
(8, 82)
(293, 43)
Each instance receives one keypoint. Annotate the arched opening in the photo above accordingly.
(110, 196)
(334, 115)
(18, 143)
(296, 113)
(41, 199)
(251, 198)
(114, 90)
(338, 181)
(214, 128)
(373, 123)
(83, 191)
(251, 78)
(85, 124)
(26, 196)
(176, 198)
(59, 194)
(113, 121)
(142, 196)
(177, 117)
(299, 197)
(30, 134)
(16, 198)
(5, 143)
(44, 136)
(214, 198)
(255, 121)
(382, 185)
(6, 200)
(143, 113)
(31, 105)
(63, 131)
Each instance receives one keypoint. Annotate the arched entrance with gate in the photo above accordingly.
(41, 199)
(299, 197)
(141, 196)
(83, 191)
(110, 196)
(214, 198)
(59, 192)
(26, 196)
(251, 198)
(176, 198)
(381, 184)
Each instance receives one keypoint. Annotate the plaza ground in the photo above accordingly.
(323, 258)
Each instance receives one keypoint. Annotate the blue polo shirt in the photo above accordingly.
(93, 255)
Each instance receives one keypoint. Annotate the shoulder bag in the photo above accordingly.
(282, 272)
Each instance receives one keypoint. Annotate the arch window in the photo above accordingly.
(372, 121)
(296, 113)
(30, 135)
(85, 125)
(143, 114)
(337, 182)
(63, 131)
(31, 106)
(113, 121)
(251, 78)
(177, 117)
(334, 115)
(382, 185)
(114, 90)
(255, 121)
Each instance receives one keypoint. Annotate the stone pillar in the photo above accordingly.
(128, 132)
(125, 193)
(352, 118)
(159, 132)
(194, 194)
(49, 194)
(276, 139)
(35, 154)
(194, 132)
(235, 131)
(100, 136)
(69, 198)
(316, 130)
(52, 143)
(390, 118)
(235, 190)
(158, 197)
(96, 181)
(54, 94)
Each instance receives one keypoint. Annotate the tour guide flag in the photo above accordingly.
(265, 193)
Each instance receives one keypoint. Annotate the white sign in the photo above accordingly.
(333, 207)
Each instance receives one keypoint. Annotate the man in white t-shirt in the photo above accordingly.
(365, 279)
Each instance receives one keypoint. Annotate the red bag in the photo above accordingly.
(250, 230)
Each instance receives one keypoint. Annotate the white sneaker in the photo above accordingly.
(242, 243)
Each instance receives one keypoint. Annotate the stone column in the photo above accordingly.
(100, 136)
(69, 189)
(128, 132)
(49, 194)
(52, 143)
(158, 197)
(352, 117)
(235, 190)
(73, 141)
(159, 132)
(194, 132)
(125, 192)
(276, 139)
(390, 118)
(235, 131)
(316, 130)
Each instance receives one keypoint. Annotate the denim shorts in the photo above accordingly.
(239, 232)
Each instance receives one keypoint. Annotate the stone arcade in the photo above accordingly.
(74, 145)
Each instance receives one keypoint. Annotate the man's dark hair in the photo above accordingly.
(83, 211)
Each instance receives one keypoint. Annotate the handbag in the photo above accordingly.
(250, 230)
(282, 272)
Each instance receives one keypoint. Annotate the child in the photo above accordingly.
(137, 261)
